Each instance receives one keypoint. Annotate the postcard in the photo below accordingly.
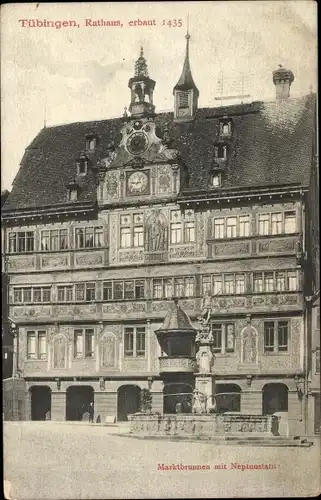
(160, 250)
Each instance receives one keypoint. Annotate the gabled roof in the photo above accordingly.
(270, 145)
(177, 319)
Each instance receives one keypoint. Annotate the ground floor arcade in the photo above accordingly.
(59, 399)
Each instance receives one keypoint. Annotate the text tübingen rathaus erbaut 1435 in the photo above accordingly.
(98, 23)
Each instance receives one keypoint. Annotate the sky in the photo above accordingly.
(81, 73)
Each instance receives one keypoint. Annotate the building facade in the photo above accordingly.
(109, 220)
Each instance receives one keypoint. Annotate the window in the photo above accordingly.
(176, 232)
(65, 293)
(108, 290)
(216, 180)
(31, 345)
(231, 227)
(239, 283)
(131, 230)
(89, 237)
(218, 228)
(206, 284)
(129, 342)
(80, 292)
(229, 284)
(163, 288)
(223, 337)
(244, 225)
(72, 193)
(184, 287)
(140, 341)
(264, 220)
(125, 237)
(220, 152)
(280, 281)
(269, 336)
(17, 295)
(276, 336)
(124, 290)
(91, 143)
(183, 100)
(157, 288)
(292, 280)
(55, 239)
(217, 285)
(21, 242)
(85, 292)
(276, 223)
(84, 343)
(36, 344)
(290, 222)
(258, 282)
(82, 166)
(189, 229)
(30, 295)
(90, 291)
(138, 236)
(268, 282)
(134, 341)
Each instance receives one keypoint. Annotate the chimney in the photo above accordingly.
(282, 79)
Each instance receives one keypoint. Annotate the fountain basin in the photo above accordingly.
(205, 425)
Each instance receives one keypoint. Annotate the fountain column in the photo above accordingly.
(204, 378)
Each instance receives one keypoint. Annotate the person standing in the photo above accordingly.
(91, 412)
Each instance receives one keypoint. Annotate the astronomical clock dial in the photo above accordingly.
(137, 182)
(137, 143)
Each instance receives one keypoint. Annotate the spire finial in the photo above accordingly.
(141, 51)
(187, 36)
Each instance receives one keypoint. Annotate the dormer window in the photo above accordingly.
(183, 100)
(82, 166)
(72, 191)
(220, 152)
(91, 142)
(216, 180)
(72, 194)
(226, 127)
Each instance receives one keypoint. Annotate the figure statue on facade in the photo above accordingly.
(249, 343)
(156, 233)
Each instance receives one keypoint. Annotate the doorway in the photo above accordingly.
(128, 401)
(40, 402)
(78, 399)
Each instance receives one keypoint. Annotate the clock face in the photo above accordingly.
(137, 143)
(137, 182)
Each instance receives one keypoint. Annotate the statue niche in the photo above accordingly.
(156, 233)
(108, 351)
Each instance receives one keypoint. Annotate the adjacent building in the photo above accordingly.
(109, 220)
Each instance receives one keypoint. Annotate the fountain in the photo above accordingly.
(191, 407)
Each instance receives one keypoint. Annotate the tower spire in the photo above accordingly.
(186, 81)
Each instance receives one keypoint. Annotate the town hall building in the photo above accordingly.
(109, 220)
